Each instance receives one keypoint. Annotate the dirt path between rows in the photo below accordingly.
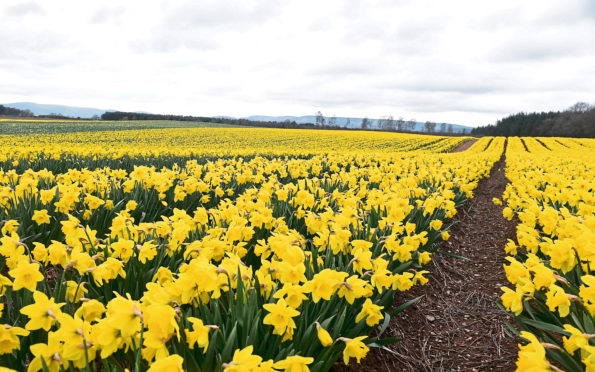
(457, 325)
(464, 146)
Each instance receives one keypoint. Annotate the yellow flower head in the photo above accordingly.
(42, 313)
(243, 360)
(557, 298)
(199, 334)
(371, 312)
(294, 363)
(512, 300)
(41, 217)
(354, 348)
(324, 284)
(9, 340)
(26, 275)
(280, 316)
(75, 291)
(531, 357)
(171, 363)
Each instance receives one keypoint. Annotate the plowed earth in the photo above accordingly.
(463, 146)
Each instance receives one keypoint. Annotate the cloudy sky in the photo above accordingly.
(460, 61)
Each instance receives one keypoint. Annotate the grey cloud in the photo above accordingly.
(478, 87)
(543, 46)
(167, 41)
(567, 12)
(437, 103)
(33, 43)
(220, 13)
(345, 68)
(24, 9)
(398, 98)
(201, 25)
(108, 15)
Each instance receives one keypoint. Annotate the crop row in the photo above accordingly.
(552, 196)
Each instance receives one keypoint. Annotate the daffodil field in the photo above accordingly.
(163, 246)
(552, 193)
(218, 249)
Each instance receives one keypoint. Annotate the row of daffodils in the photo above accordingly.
(258, 263)
(552, 299)
(166, 146)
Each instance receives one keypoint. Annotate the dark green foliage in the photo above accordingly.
(577, 121)
(10, 111)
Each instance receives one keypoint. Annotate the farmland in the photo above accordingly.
(146, 246)
(36, 126)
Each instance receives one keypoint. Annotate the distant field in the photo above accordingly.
(12, 126)
(166, 146)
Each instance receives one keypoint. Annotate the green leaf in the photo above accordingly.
(385, 324)
(404, 306)
(384, 341)
(543, 326)
(230, 344)
(453, 255)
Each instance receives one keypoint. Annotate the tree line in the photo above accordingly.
(386, 123)
(389, 123)
(120, 115)
(576, 121)
(10, 111)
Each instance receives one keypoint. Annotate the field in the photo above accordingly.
(24, 126)
(156, 247)
(551, 196)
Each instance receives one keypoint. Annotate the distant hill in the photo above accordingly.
(353, 122)
(39, 109)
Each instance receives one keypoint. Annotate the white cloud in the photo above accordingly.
(461, 61)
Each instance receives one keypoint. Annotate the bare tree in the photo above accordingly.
(390, 122)
(332, 121)
(443, 127)
(386, 122)
(348, 123)
(411, 123)
(400, 123)
(320, 119)
(365, 123)
(450, 128)
(430, 126)
(580, 107)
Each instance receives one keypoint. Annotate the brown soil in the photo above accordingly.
(457, 325)
(464, 146)
(542, 143)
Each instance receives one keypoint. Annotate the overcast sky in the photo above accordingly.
(460, 61)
